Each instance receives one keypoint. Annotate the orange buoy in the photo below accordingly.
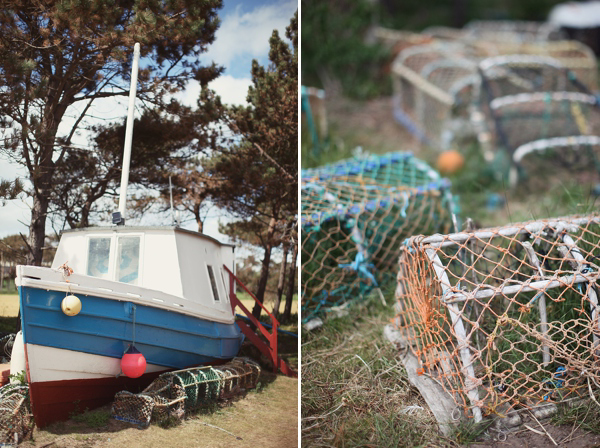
(449, 162)
(133, 363)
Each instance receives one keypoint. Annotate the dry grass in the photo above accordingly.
(354, 390)
(263, 418)
(249, 303)
(9, 305)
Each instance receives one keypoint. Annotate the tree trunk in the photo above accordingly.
(264, 270)
(37, 230)
(2, 272)
(281, 281)
(287, 312)
(198, 218)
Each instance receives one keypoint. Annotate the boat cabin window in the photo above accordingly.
(98, 257)
(124, 267)
(213, 283)
(128, 262)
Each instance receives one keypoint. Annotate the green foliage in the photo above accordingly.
(162, 139)
(10, 190)
(333, 45)
(255, 177)
(585, 415)
(258, 176)
(93, 419)
(417, 15)
(8, 324)
(20, 377)
(468, 432)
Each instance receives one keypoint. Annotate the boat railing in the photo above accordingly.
(269, 349)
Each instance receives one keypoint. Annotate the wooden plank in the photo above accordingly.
(439, 401)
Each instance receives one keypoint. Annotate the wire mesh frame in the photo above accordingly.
(434, 87)
(505, 318)
(354, 216)
(16, 420)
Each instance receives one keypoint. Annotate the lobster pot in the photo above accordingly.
(173, 394)
(434, 88)
(549, 132)
(505, 318)
(513, 74)
(516, 31)
(355, 214)
(16, 420)
(571, 55)
(398, 40)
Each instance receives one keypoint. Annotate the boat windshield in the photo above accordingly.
(98, 257)
(127, 264)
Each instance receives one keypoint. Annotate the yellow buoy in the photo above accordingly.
(71, 305)
(449, 162)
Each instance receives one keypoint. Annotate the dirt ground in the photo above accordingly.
(564, 436)
(268, 418)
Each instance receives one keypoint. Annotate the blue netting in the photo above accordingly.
(354, 217)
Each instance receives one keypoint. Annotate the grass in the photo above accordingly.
(9, 305)
(93, 419)
(239, 423)
(354, 389)
(585, 415)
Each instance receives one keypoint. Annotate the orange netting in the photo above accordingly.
(505, 318)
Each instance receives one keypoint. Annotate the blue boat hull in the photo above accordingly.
(106, 327)
(101, 332)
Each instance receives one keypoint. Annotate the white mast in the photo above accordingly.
(129, 131)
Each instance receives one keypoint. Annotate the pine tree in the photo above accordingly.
(256, 180)
(57, 57)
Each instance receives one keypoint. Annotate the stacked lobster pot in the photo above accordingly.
(173, 394)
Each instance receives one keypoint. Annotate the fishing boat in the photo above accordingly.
(159, 289)
(120, 305)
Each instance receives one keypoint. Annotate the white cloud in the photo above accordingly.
(233, 91)
(247, 33)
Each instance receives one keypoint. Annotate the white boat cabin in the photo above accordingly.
(171, 260)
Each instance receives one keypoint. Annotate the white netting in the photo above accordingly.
(505, 318)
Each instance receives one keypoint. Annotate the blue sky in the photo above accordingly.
(243, 36)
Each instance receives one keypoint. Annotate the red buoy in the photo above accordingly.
(133, 363)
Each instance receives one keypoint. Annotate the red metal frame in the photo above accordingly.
(269, 348)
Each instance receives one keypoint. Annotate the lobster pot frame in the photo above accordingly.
(434, 88)
(505, 318)
(548, 131)
(355, 215)
(513, 74)
(445, 33)
(571, 55)
(512, 31)
(398, 40)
